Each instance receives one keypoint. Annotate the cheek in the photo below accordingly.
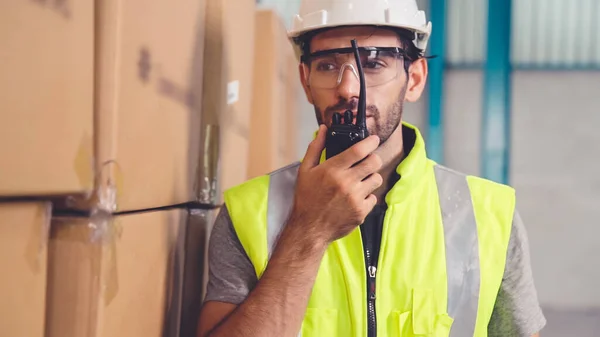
(323, 99)
(397, 91)
(387, 100)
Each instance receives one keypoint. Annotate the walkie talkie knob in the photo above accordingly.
(336, 119)
(348, 117)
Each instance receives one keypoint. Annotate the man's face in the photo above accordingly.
(384, 100)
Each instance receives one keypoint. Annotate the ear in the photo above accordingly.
(417, 78)
(303, 70)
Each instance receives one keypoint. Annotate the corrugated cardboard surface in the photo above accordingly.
(46, 97)
(228, 83)
(148, 100)
(104, 92)
(274, 109)
(116, 275)
(23, 254)
(200, 224)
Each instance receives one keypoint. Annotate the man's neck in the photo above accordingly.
(391, 153)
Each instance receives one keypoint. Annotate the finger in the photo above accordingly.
(357, 152)
(370, 202)
(370, 184)
(315, 148)
(369, 165)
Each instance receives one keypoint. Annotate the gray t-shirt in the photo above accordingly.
(517, 311)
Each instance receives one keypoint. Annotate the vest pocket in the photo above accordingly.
(399, 324)
(320, 322)
(443, 323)
(421, 321)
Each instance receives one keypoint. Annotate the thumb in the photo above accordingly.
(315, 148)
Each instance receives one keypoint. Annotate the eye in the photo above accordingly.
(373, 64)
(325, 66)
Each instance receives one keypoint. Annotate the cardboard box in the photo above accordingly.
(23, 254)
(200, 223)
(143, 60)
(46, 97)
(149, 61)
(275, 108)
(116, 275)
(229, 61)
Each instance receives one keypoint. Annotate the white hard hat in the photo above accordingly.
(318, 14)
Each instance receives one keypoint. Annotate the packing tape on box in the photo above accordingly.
(108, 183)
(38, 240)
(104, 226)
(105, 231)
(208, 168)
(88, 245)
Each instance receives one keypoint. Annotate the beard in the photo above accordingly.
(382, 128)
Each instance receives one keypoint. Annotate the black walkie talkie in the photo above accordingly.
(342, 136)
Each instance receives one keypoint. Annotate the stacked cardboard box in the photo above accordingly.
(46, 105)
(226, 109)
(101, 127)
(228, 83)
(116, 275)
(273, 128)
(46, 142)
(102, 102)
(23, 259)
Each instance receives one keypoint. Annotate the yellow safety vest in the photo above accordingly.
(441, 261)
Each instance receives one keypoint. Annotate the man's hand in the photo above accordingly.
(330, 201)
(334, 197)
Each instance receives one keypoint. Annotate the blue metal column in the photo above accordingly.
(495, 132)
(435, 132)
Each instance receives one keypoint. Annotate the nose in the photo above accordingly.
(349, 85)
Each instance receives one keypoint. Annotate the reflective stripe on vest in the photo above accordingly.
(460, 231)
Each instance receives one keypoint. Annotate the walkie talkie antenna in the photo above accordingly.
(361, 114)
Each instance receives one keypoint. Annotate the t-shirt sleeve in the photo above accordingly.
(517, 311)
(231, 274)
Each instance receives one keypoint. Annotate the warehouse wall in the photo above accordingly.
(554, 167)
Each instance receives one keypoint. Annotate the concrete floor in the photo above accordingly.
(571, 323)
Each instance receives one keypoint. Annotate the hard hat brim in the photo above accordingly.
(293, 34)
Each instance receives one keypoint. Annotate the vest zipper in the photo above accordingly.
(371, 237)
(371, 273)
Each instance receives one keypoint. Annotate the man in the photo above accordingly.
(378, 240)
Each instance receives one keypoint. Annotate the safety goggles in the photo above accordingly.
(325, 69)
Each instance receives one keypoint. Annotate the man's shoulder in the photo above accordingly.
(475, 181)
(293, 167)
(258, 183)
